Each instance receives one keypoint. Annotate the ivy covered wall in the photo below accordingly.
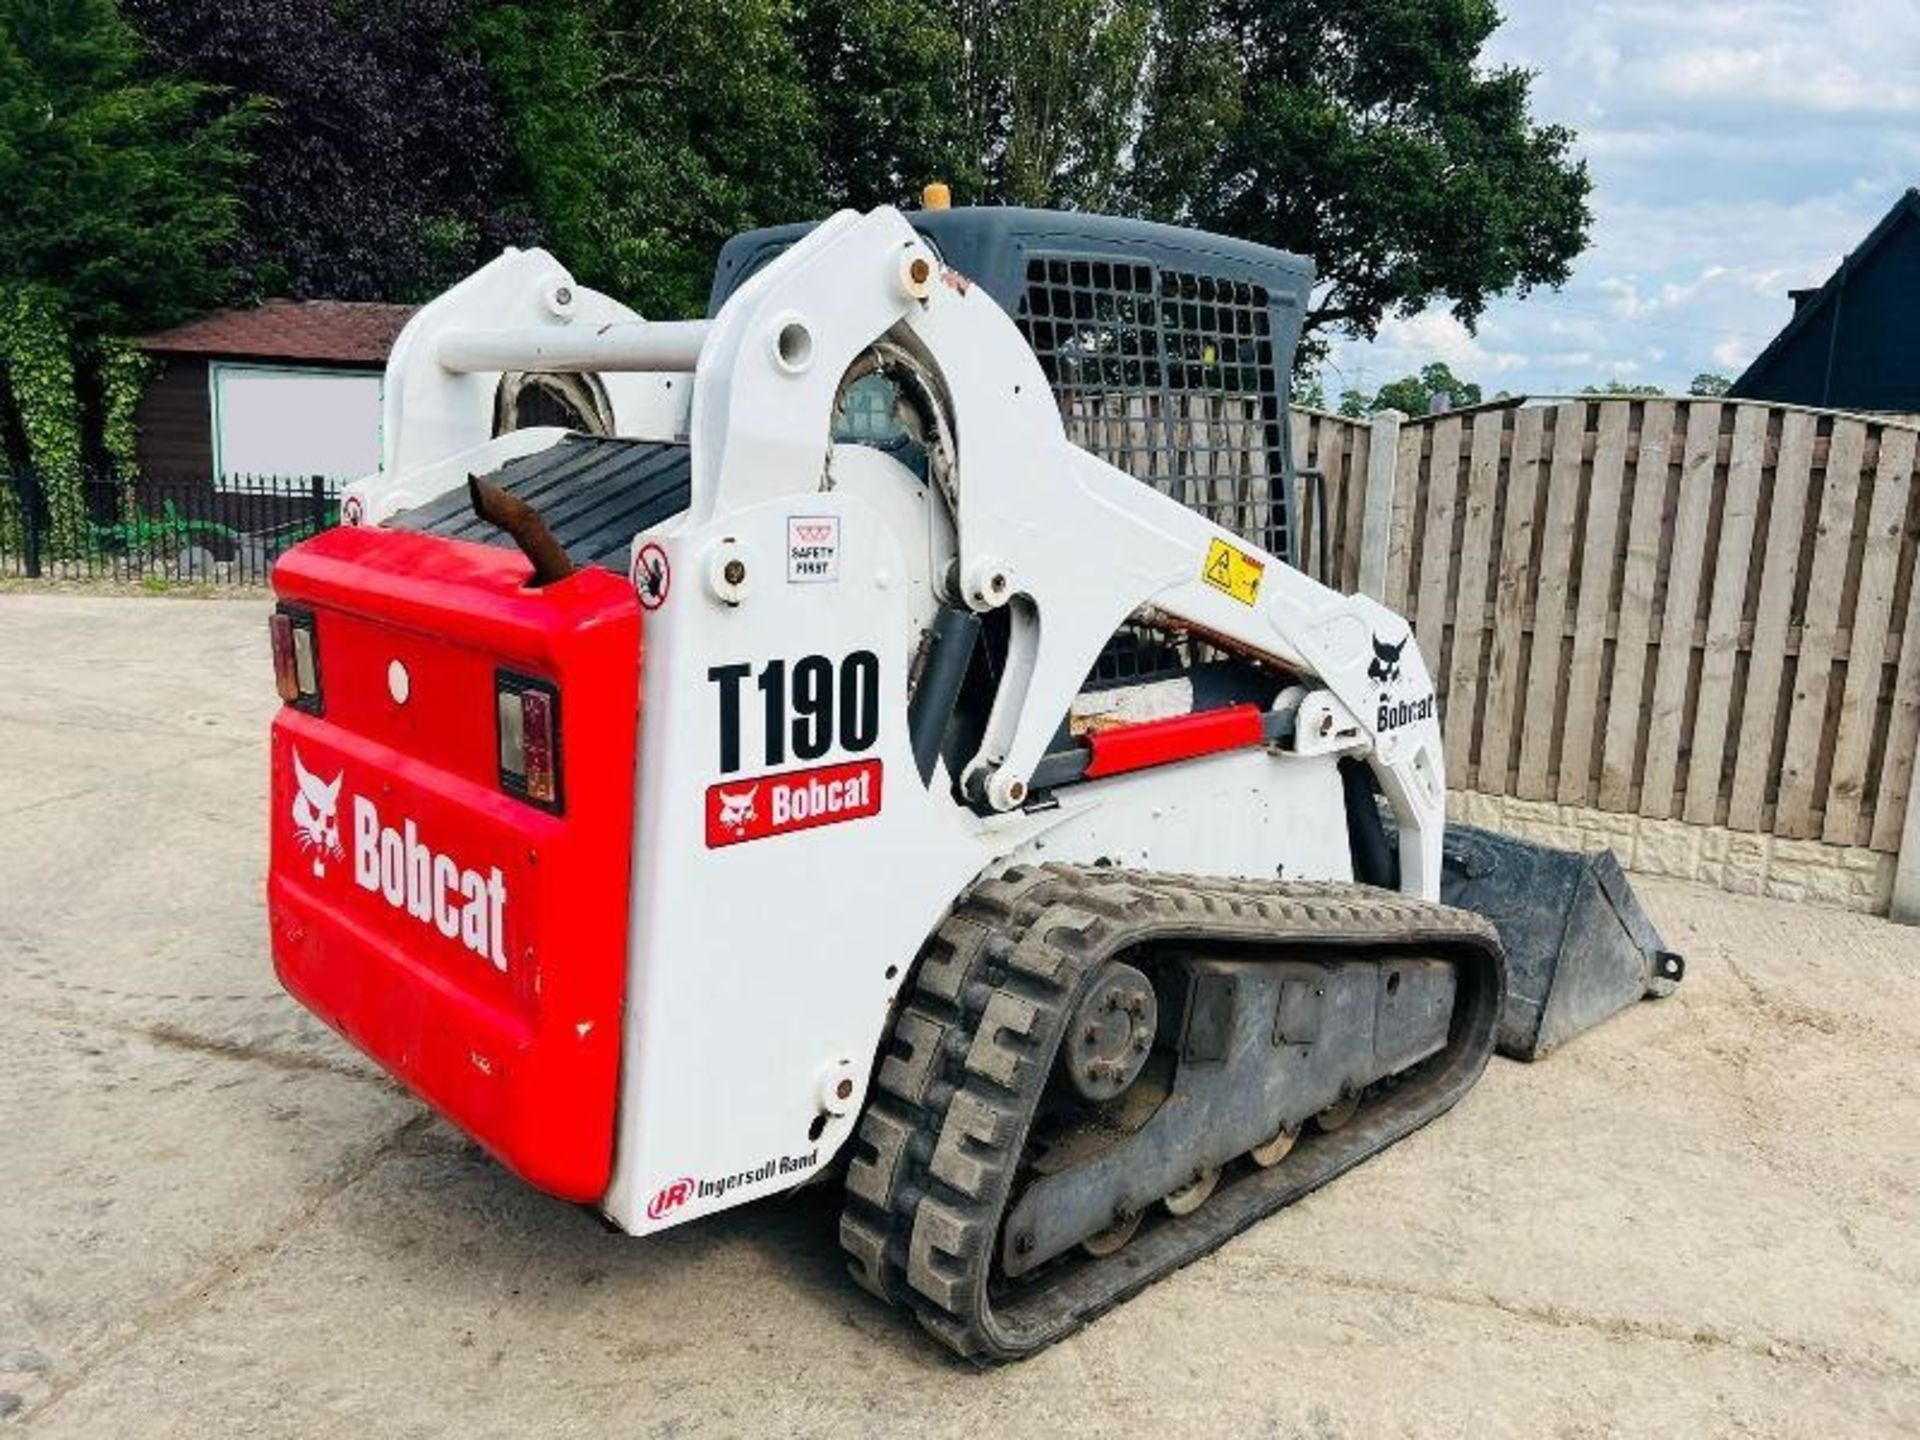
(37, 350)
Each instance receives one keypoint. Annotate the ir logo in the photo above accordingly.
(670, 1198)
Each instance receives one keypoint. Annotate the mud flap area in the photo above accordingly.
(1579, 946)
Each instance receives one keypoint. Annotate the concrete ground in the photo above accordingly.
(1703, 1218)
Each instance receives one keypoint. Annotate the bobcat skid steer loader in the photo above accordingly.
(881, 732)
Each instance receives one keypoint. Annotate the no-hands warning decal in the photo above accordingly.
(758, 808)
(652, 576)
(1233, 572)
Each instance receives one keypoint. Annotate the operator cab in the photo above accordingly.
(1169, 350)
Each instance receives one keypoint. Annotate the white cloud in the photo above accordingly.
(1438, 334)
(1739, 148)
(1405, 344)
(1735, 353)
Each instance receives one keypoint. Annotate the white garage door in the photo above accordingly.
(275, 420)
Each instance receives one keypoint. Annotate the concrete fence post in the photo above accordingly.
(1905, 909)
(1376, 524)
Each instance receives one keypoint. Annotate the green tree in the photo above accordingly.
(382, 173)
(1415, 394)
(1621, 387)
(1024, 102)
(650, 131)
(1195, 96)
(118, 186)
(1063, 80)
(1369, 134)
(885, 76)
(1707, 383)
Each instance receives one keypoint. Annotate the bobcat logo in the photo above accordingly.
(316, 818)
(1385, 666)
(736, 808)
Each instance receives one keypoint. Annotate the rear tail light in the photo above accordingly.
(296, 658)
(529, 714)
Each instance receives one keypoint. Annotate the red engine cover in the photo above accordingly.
(470, 942)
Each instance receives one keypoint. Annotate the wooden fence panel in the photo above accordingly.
(1513, 591)
(1756, 762)
(1337, 447)
(1310, 443)
(1872, 619)
(1353, 508)
(1436, 581)
(1696, 609)
(1903, 722)
(1807, 725)
(1477, 549)
(1739, 507)
(1545, 671)
(1686, 555)
(1599, 556)
(1408, 503)
(1652, 463)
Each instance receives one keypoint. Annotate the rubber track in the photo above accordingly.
(936, 1153)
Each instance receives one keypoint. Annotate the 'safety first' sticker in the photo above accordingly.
(813, 549)
(1233, 572)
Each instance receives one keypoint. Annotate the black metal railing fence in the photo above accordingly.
(139, 528)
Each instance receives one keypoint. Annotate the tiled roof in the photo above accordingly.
(340, 331)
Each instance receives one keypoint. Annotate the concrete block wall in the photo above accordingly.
(1740, 862)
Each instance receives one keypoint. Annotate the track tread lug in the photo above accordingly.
(944, 1239)
(866, 1245)
(995, 1053)
(970, 1143)
(923, 1038)
(889, 1137)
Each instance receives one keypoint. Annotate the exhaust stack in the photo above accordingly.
(520, 520)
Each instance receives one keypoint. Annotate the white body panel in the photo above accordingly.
(761, 973)
(431, 413)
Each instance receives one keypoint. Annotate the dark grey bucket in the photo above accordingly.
(1579, 946)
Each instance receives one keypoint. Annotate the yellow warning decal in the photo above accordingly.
(1233, 571)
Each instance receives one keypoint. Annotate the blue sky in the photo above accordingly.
(1738, 148)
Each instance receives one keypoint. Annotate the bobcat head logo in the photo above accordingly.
(736, 808)
(316, 819)
(1385, 666)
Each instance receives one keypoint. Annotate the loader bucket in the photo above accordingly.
(1579, 947)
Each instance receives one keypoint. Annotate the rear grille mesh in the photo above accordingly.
(1169, 375)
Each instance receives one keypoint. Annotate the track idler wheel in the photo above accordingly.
(1110, 1033)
